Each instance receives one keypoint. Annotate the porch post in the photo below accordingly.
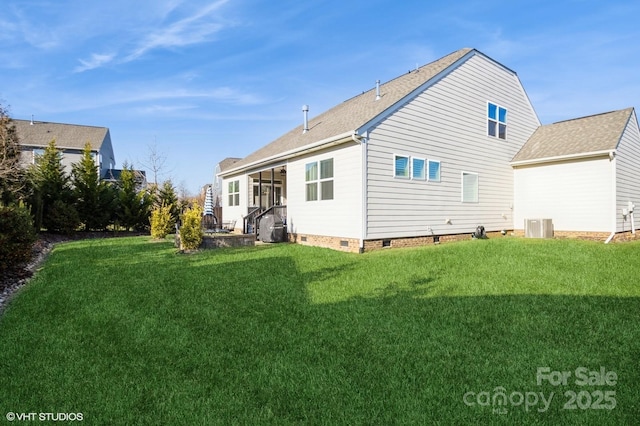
(273, 189)
(260, 190)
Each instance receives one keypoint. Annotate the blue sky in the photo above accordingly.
(202, 80)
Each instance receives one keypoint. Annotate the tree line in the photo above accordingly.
(48, 198)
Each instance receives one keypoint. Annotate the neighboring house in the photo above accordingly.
(584, 174)
(423, 158)
(70, 140)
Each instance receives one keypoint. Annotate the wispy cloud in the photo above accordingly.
(96, 61)
(197, 28)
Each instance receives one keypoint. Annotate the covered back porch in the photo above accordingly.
(267, 196)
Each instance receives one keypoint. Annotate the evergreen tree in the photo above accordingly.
(167, 197)
(134, 205)
(12, 177)
(95, 198)
(54, 193)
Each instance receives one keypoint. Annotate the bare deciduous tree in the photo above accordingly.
(155, 162)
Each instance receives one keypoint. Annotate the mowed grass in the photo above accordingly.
(127, 331)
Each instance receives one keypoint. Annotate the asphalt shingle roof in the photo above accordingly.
(227, 163)
(355, 112)
(71, 136)
(594, 133)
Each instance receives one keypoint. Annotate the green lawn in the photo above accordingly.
(127, 331)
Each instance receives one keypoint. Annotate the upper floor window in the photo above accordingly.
(37, 153)
(496, 121)
(234, 193)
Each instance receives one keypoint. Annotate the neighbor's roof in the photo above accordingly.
(66, 135)
(352, 114)
(595, 133)
(227, 163)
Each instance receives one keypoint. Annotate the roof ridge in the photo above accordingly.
(415, 70)
(62, 124)
(591, 115)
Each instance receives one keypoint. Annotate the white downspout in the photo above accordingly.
(612, 158)
(363, 143)
(608, 240)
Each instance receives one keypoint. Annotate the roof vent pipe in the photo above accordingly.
(377, 90)
(31, 120)
(305, 112)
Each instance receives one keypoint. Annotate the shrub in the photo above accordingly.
(161, 221)
(17, 236)
(191, 229)
(61, 217)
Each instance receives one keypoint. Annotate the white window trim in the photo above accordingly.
(424, 168)
(408, 177)
(427, 168)
(230, 193)
(497, 120)
(318, 181)
(462, 173)
(321, 179)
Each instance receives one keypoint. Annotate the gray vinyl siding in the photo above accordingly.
(338, 217)
(628, 174)
(448, 123)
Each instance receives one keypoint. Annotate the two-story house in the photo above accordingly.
(429, 156)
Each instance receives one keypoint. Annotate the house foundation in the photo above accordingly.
(352, 245)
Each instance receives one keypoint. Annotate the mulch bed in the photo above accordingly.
(12, 281)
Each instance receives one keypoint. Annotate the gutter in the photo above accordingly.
(324, 143)
(608, 152)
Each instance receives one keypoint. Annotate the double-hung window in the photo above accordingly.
(496, 121)
(234, 193)
(319, 180)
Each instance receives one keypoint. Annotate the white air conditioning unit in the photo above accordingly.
(538, 228)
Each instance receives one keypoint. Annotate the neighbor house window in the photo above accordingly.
(418, 168)
(434, 171)
(469, 187)
(401, 166)
(496, 121)
(37, 153)
(319, 174)
(234, 193)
